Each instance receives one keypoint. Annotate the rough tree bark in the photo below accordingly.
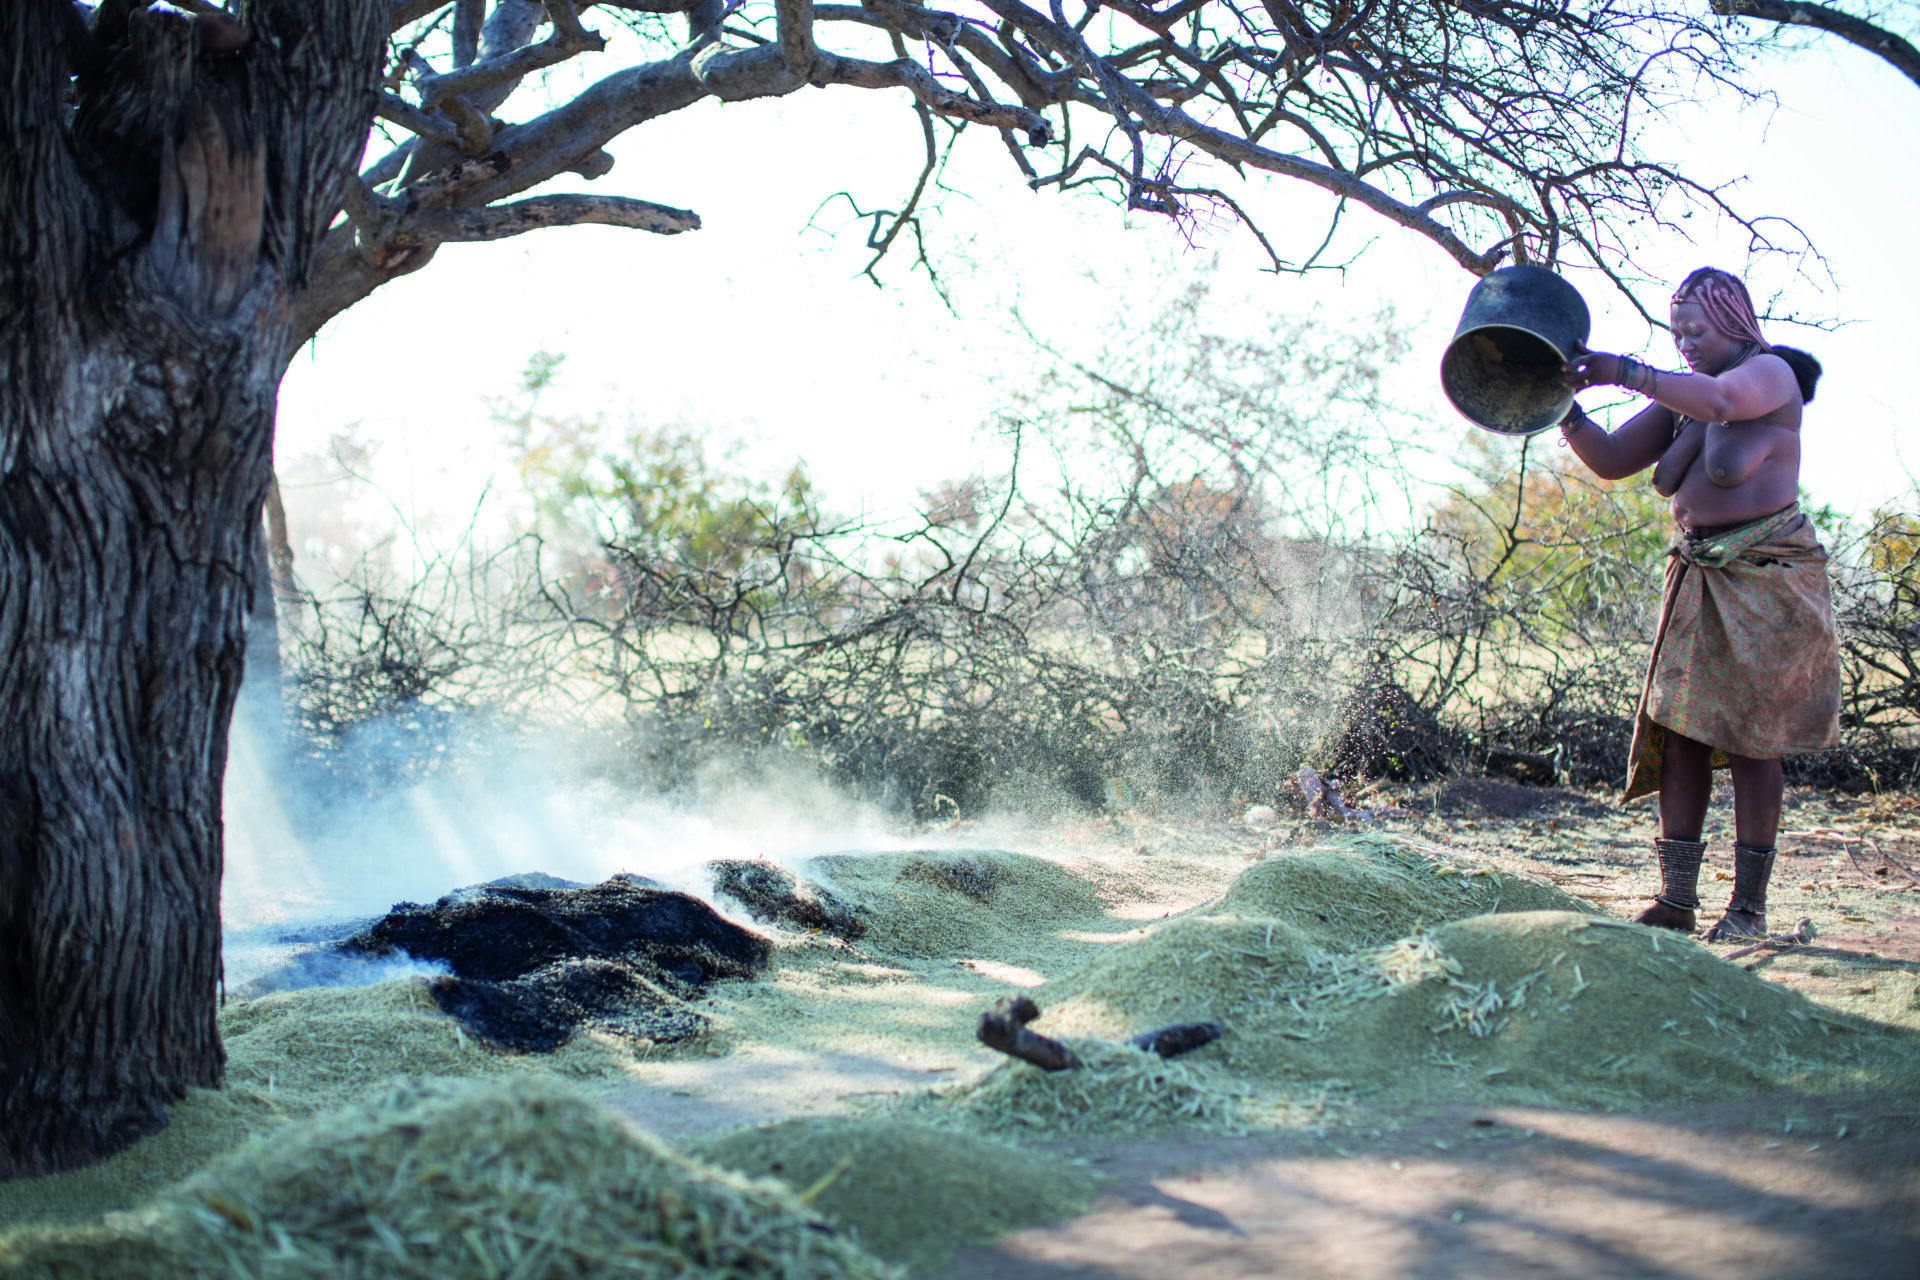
(160, 202)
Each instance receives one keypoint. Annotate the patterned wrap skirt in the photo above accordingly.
(1745, 659)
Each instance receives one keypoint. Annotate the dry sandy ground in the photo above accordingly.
(1701, 1193)
(1780, 1186)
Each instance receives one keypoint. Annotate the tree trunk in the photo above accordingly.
(262, 687)
(154, 237)
(286, 589)
(125, 622)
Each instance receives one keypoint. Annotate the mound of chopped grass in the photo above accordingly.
(1546, 1007)
(1387, 966)
(910, 1193)
(450, 1181)
(1369, 889)
(1194, 968)
(291, 1055)
(1280, 924)
(1117, 1089)
(1551, 1007)
(326, 1044)
(941, 904)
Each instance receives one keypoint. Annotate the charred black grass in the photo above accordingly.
(531, 968)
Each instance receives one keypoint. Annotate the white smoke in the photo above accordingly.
(304, 869)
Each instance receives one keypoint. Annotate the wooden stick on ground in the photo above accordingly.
(1846, 840)
(1181, 1037)
(1004, 1027)
(1887, 858)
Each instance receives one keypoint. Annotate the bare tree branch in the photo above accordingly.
(470, 126)
(397, 110)
(1492, 131)
(508, 67)
(794, 24)
(915, 78)
(1899, 53)
(468, 17)
(424, 230)
(648, 6)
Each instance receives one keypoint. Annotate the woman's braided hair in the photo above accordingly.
(1726, 301)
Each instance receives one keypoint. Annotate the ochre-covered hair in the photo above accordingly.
(1728, 305)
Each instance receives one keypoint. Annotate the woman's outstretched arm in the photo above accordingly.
(1617, 455)
(1747, 391)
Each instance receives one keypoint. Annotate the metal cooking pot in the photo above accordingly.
(1502, 369)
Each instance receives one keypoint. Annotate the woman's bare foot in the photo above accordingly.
(1737, 924)
(1662, 916)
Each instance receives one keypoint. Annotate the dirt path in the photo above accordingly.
(1710, 1193)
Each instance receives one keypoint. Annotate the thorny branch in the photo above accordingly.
(1493, 131)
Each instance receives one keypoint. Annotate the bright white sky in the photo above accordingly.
(761, 329)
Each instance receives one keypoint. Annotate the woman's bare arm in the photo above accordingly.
(1634, 447)
(1747, 391)
(1679, 457)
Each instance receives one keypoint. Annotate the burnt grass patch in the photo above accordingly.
(533, 967)
(774, 895)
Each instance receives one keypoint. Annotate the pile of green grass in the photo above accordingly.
(910, 1193)
(1382, 966)
(1116, 1089)
(1369, 889)
(293, 1055)
(942, 904)
(1280, 925)
(1571, 1010)
(448, 1181)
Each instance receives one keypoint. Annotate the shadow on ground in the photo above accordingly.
(1768, 1189)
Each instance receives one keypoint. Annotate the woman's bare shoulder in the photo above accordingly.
(1776, 378)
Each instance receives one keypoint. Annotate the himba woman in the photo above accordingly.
(1745, 668)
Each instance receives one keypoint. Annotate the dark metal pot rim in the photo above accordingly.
(1517, 328)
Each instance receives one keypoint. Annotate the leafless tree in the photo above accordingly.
(183, 203)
